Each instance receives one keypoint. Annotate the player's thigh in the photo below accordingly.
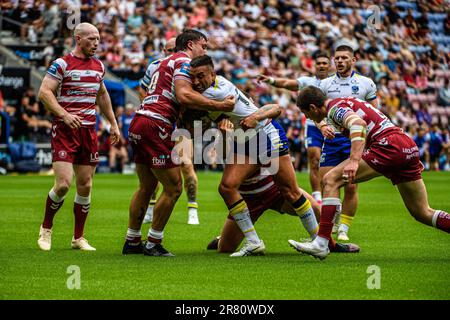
(414, 195)
(188, 171)
(63, 173)
(147, 179)
(234, 174)
(313, 154)
(324, 170)
(170, 179)
(231, 236)
(84, 175)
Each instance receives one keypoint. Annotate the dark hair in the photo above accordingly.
(310, 95)
(345, 48)
(181, 43)
(321, 54)
(200, 61)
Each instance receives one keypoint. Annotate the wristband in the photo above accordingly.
(271, 80)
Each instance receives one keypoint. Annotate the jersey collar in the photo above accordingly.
(351, 75)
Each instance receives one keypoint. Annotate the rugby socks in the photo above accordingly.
(304, 210)
(133, 236)
(345, 222)
(241, 215)
(441, 220)
(192, 205)
(329, 208)
(317, 195)
(54, 202)
(154, 237)
(80, 209)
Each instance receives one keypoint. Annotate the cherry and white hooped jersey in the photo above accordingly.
(79, 82)
(339, 109)
(160, 101)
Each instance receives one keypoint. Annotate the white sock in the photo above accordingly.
(82, 200)
(155, 235)
(132, 233)
(55, 198)
(343, 227)
(245, 223)
(322, 242)
(317, 195)
(309, 222)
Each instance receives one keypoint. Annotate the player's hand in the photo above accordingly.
(114, 134)
(225, 125)
(327, 131)
(349, 172)
(262, 78)
(228, 104)
(73, 121)
(249, 122)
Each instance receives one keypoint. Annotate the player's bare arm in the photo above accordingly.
(357, 128)
(289, 84)
(47, 95)
(268, 111)
(104, 102)
(186, 96)
(327, 130)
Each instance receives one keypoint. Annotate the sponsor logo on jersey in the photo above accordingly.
(75, 76)
(53, 69)
(185, 67)
(161, 160)
(334, 90)
(339, 115)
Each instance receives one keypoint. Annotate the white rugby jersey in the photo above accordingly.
(303, 82)
(356, 86)
(243, 107)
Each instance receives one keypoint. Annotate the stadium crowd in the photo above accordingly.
(403, 46)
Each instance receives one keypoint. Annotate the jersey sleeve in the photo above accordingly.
(57, 69)
(103, 70)
(371, 90)
(339, 113)
(324, 84)
(301, 83)
(181, 69)
(145, 81)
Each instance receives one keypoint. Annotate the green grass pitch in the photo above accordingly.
(413, 259)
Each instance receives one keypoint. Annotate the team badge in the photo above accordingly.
(62, 154)
(355, 89)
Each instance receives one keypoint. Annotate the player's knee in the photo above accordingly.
(62, 186)
(329, 182)
(225, 189)
(314, 163)
(173, 191)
